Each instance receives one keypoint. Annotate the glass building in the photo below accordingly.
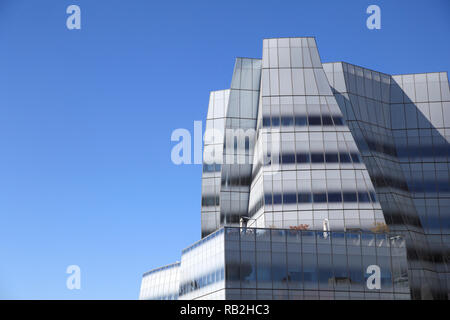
(161, 283)
(304, 159)
(253, 263)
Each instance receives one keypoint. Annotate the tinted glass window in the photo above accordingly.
(320, 197)
(349, 197)
(304, 198)
(300, 121)
(317, 158)
(287, 121)
(314, 121)
(275, 121)
(208, 168)
(338, 121)
(289, 198)
(277, 199)
(331, 157)
(288, 158)
(268, 199)
(344, 158)
(326, 120)
(302, 158)
(363, 197)
(279, 270)
(355, 157)
(334, 197)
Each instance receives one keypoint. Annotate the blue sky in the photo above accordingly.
(86, 118)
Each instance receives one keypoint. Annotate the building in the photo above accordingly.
(315, 175)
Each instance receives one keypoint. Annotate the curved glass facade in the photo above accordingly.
(246, 263)
(316, 157)
(295, 264)
(161, 283)
(402, 127)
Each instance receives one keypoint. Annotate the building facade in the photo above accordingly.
(236, 263)
(297, 150)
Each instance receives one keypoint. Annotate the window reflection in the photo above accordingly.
(280, 260)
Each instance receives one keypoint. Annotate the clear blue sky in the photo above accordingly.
(86, 118)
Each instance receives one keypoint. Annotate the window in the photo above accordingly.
(266, 122)
(248, 269)
(325, 271)
(363, 197)
(349, 197)
(288, 158)
(314, 120)
(287, 121)
(338, 121)
(277, 199)
(317, 158)
(300, 121)
(304, 198)
(263, 269)
(331, 158)
(209, 201)
(334, 197)
(320, 197)
(289, 198)
(275, 121)
(279, 270)
(344, 158)
(302, 158)
(211, 167)
(355, 157)
(326, 120)
(310, 271)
